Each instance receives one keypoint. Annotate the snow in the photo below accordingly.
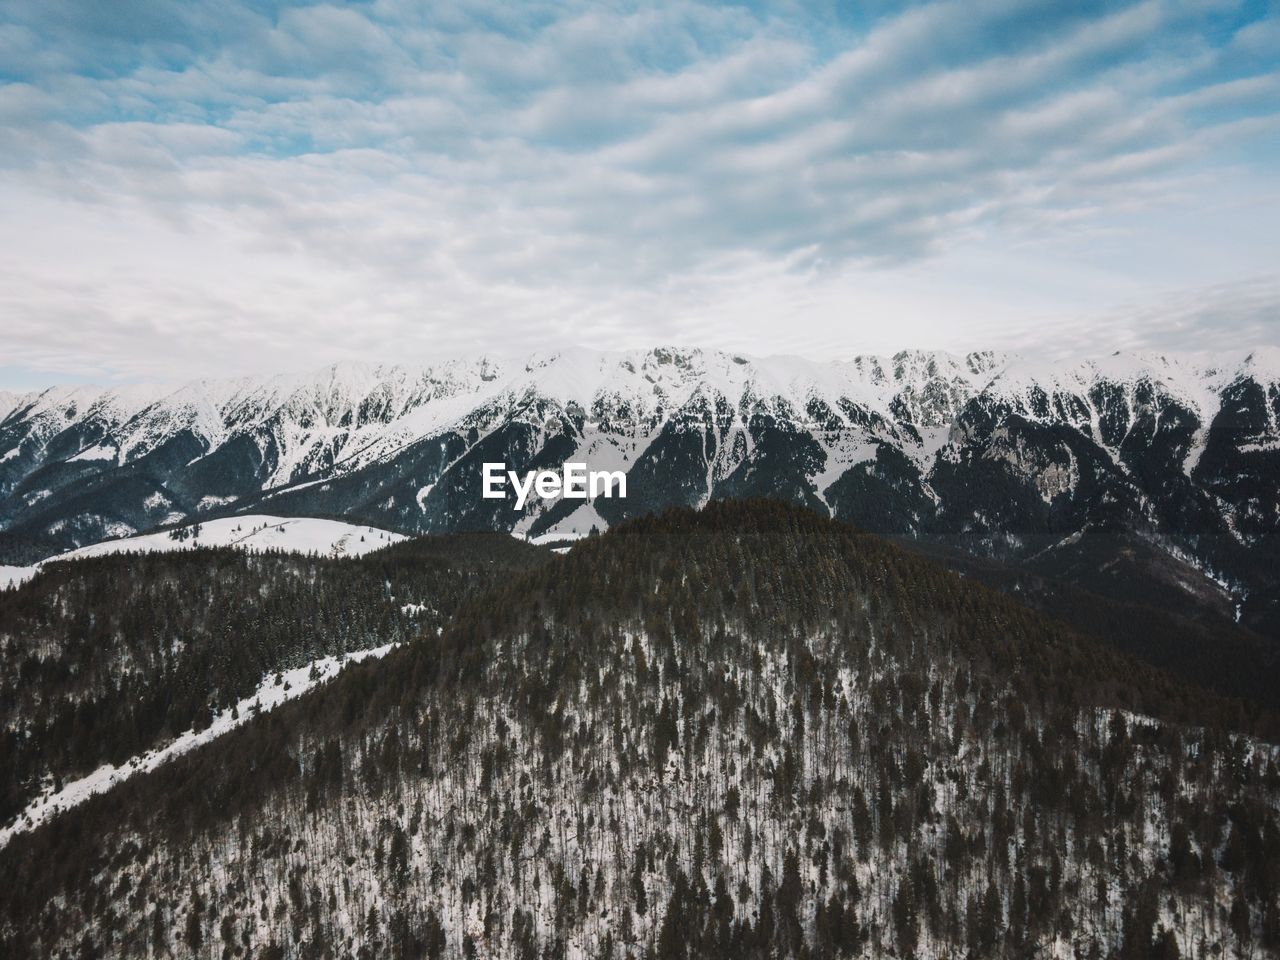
(318, 425)
(348, 415)
(255, 532)
(102, 452)
(270, 694)
(8, 403)
(424, 493)
(252, 532)
(320, 420)
(573, 527)
(1195, 380)
(840, 458)
(208, 503)
(11, 577)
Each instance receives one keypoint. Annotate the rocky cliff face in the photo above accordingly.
(1159, 469)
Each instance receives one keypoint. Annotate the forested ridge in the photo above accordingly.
(1193, 643)
(105, 657)
(747, 731)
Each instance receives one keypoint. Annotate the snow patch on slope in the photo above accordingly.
(12, 577)
(270, 694)
(252, 532)
(101, 452)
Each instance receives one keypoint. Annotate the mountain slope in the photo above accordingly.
(986, 453)
(106, 657)
(743, 732)
(253, 532)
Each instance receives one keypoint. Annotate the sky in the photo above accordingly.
(208, 189)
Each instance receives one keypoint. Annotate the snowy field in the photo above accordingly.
(254, 532)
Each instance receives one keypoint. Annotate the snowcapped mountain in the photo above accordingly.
(1177, 456)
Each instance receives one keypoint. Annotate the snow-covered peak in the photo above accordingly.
(349, 414)
(1262, 365)
(1193, 380)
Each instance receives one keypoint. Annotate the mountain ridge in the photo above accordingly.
(1006, 456)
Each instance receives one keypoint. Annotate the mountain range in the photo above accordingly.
(1156, 471)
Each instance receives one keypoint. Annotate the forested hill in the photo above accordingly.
(747, 565)
(1211, 652)
(104, 658)
(747, 731)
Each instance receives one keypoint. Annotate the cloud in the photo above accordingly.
(1223, 318)
(387, 176)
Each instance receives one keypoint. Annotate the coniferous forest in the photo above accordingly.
(747, 731)
(680, 480)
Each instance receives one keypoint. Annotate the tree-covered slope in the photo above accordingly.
(747, 731)
(106, 657)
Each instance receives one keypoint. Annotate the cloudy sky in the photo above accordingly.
(193, 189)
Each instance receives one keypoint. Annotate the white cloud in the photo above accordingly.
(267, 191)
